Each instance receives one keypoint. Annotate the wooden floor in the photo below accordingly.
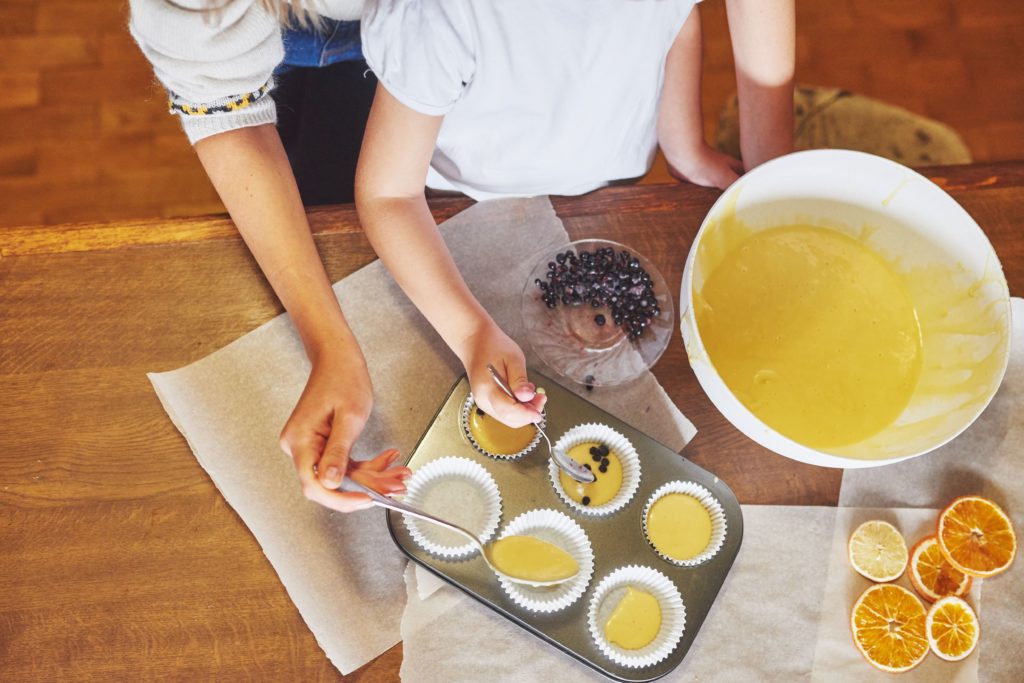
(84, 133)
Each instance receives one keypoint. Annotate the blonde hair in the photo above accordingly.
(300, 13)
(296, 13)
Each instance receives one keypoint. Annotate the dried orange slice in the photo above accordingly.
(953, 629)
(888, 624)
(878, 551)
(976, 536)
(932, 574)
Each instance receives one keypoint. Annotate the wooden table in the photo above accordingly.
(118, 558)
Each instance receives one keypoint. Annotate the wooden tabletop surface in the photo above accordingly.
(118, 558)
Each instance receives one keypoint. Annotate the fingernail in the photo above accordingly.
(332, 473)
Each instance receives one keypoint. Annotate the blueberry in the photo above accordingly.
(586, 500)
(604, 462)
(599, 319)
(560, 258)
(602, 469)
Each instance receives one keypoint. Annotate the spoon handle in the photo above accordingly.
(406, 509)
(500, 381)
(563, 461)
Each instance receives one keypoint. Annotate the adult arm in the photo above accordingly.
(764, 46)
(390, 178)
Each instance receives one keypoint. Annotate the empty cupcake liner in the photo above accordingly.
(464, 421)
(617, 443)
(559, 529)
(710, 503)
(673, 614)
(460, 491)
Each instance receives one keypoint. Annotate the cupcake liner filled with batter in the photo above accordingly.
(494, 439)
(612, 459)
(684, 523)
(558, 529)
(636, 616)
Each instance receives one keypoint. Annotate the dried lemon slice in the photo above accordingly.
(952, 628)
(878, 551)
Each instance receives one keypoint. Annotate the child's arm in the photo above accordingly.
(390, 178)
(680, 120)
(250, 170)
(764, 46)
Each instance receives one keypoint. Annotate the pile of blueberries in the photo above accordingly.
(603, 278)
(598, 454)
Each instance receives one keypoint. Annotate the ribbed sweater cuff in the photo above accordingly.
(199, 127)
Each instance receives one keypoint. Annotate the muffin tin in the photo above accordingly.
(617, 539)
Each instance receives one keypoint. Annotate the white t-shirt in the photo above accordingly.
(539, 96)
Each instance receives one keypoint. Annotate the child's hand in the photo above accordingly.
(706, 166)
(495, 347)
(327, 420)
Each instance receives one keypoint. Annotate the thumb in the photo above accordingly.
(522, 387)
(334, 462)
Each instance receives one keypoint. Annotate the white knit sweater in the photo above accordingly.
(217, 67)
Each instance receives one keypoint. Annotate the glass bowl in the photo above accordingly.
(568, 337)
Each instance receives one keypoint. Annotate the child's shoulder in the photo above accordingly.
(422, 51)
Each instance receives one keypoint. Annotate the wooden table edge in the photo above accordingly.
(98, 236)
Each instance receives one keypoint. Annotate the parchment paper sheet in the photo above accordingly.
(231, 406)
(762, 627)
(987, 459)
(836, 658)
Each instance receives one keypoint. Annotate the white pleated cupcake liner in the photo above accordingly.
(710, 503)
(558, 529)
(464, 421)
(618, 444)
(673, 615)
(474, 502)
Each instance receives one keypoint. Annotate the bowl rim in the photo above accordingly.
(706, 372)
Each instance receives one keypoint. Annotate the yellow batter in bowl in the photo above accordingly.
(813, 332)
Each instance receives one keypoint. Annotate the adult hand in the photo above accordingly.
(327, 420)
(494, 347)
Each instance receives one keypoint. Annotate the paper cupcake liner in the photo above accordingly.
(617, 443)
(710, 503)
(673, 615)
(557, 528)
(464, 421)
(457, 490)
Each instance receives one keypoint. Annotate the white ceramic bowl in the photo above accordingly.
(952, 272)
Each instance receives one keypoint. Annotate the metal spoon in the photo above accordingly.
(406, 509)
(564, 462)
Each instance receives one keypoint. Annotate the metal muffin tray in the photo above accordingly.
(617, 539)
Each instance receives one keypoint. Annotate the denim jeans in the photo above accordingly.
(338, 41)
